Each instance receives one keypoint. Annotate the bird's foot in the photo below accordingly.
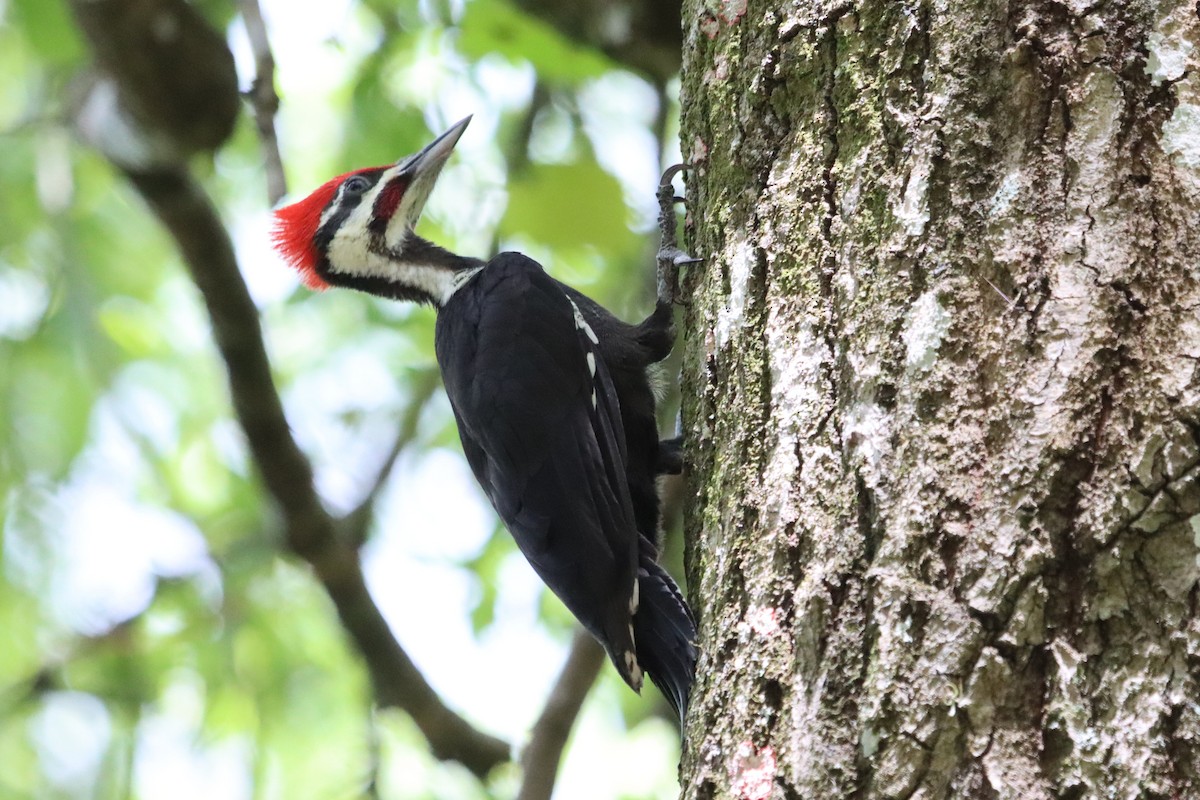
(670, 257)
(670, 456)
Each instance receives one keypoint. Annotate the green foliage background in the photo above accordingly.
(116, 434)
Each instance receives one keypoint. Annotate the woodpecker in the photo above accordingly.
(550, 392)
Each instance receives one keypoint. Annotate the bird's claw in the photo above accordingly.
(670, 172)
(670, 257)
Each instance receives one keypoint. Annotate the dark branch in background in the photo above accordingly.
(539, 762)
(263, 98)
(113, 27)
(355, 524)
(165, 85)
(516, 149)
(644, 35)
(374, 756)
(516, 153)
(661, 119)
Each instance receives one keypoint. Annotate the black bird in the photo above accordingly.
(551, 395)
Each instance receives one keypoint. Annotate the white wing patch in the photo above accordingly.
(632, 667)
(460, 278)
(582, 325)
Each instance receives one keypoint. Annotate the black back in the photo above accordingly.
(557, 422)
(515, 366)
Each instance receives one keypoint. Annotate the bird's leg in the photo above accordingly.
(670, 256)
(669, 459)
(670, 456)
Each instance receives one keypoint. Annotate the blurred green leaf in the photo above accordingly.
(569, 206)
(50, 407)
(486, 567)
(132, 327)
(495, 27)
(382, 132)
(50, 29)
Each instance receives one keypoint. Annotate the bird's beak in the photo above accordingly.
(436, 152)
(412, 179)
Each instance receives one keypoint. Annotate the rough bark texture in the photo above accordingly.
(944, 405)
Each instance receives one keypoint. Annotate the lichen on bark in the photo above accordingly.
(942, 399)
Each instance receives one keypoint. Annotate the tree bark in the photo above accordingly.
(942, 398)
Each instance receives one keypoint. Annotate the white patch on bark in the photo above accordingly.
(1006, 192)
(752, 772)
(1181, 135)
(1168, 50)
(1067, 658)
(1066, 321)
(1096, 120)
(868, 741)
(809, 745)
(868, 430)
(796, 355)
(1195, 523)
(924, 330)
(732, 317)
(763, 620)
(913, 210)
(852, 188)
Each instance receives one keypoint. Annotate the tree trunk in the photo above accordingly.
(944, 414)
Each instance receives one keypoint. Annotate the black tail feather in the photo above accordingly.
(665, 634)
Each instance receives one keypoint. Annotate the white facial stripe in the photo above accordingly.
(330, 209)
(402, 221)
(350, 253)
(361, 214)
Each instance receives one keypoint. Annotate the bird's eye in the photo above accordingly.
(357, 184)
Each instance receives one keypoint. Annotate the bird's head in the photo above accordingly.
(356, 230)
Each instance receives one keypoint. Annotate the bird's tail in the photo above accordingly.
(665, 633)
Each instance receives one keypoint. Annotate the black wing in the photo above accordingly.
(541, 429)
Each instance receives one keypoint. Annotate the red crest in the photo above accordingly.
(295, 230)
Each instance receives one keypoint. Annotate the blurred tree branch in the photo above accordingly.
(539, 761)
(164, 86)
(263, 98)
(644, 35)
(166, 90)
(355, 524)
